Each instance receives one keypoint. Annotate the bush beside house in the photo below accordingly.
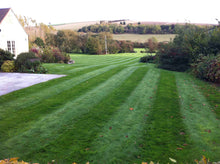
(5, 55)
(29, 63)
(8, 66)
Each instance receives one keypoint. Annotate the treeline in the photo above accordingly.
(69, 41)
(135, 29)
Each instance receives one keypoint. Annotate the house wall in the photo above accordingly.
(11, 30)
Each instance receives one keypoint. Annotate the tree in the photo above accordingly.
(93, 46)
(21, 20)
(214, 42)
(152, 45)
(113, 47)
(60, 40)
(126, 46)
(141, 29)
(81, 42)
(165, 28)
(70, 42)
(120, 29)
(194, 40)
(38, 41)
(50, 39)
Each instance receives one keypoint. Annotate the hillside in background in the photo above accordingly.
(77, 25)
(74, 26)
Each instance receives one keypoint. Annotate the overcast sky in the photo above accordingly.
(68, 11)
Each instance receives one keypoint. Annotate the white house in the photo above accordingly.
(12, 35)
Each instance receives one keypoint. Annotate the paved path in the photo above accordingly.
(10, 82)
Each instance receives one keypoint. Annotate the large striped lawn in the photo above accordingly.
(111, 109)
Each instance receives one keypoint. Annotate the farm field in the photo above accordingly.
(74, 26)
(111, 109)
(144, 37)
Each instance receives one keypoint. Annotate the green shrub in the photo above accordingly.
(38, 41)
(41, 69)
(5, 55)
(174, 58)
(207, 68)
(8, 66)
(148, 59)
(27, 62)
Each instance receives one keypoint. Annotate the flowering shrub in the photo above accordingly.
(52, 55)
(35, 50)
(207, 68)
(58, 56)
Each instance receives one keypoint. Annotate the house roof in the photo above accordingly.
(3, 13)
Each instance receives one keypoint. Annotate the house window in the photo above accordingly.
(9, 45)
(13, 47)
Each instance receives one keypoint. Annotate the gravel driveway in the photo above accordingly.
(10, 82)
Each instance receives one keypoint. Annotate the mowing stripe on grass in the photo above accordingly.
(38, 87)
(211, 93)
(200, 120)
(119, 59)
(112, 146)
(46, 92)
(85, 129)
(43, 122)
(126, 61)
(162, 136)
(108, 59)
(130, 62)
(48, 127)
(93, 59)
(137, 63)
(55, 68)
(12, 121)
(84, 68)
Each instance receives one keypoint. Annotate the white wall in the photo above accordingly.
(11, 30)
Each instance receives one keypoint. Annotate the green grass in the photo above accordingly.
(111, 109)
(144, 37)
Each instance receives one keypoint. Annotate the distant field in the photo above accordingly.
(144, 37)
(74, 26)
